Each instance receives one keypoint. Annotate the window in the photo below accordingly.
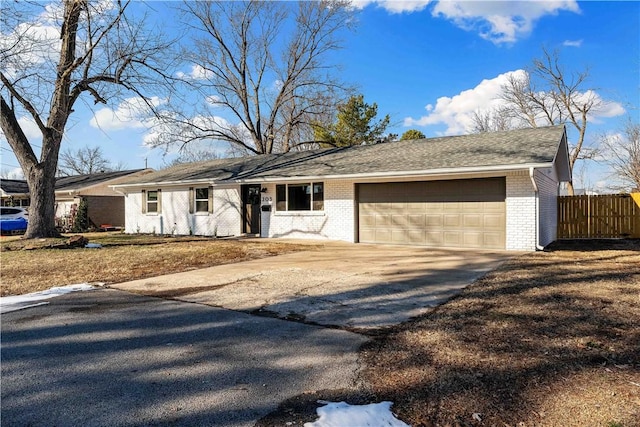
(152, 201)
(300, 197)
(202, 200)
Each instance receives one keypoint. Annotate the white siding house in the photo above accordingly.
(494, 190)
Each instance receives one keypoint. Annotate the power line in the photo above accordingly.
(11, 166)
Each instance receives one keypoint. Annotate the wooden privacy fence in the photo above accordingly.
(599, 217)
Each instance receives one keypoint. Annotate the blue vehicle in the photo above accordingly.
(13, 220)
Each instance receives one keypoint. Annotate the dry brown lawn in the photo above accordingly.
(549, 339)
(29, 265)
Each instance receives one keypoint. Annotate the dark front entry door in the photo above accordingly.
(251, 209)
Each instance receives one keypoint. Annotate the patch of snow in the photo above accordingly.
(340, 414)
(93, 245)
(19, 302)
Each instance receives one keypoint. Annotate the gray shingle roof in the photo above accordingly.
(66, 183)
(499, 149)
(14, 186)
(76, 182)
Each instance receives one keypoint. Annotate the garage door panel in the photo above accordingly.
(383, 235)
(434, 238)
(399, 220)
(465, 213)
(415, 237)
(493, 240)
(417, 221)
(452, 238)
(474, 220)
(493, 221)
(434, 220)
(451, 206)
(451, 220)
(367, 235)
(367, 221)
(473, 239)
(382, 220)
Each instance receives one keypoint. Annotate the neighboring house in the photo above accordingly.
(14, 192)
(490, 190)
(105, 206)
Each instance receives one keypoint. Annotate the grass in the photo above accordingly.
(548, 339)
(31, 265)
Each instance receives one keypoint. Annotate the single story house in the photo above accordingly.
(489, 190)
(14, 192)
(104, 205)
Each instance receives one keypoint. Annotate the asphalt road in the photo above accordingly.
(110, 358)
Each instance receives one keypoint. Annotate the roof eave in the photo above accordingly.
(359, 176)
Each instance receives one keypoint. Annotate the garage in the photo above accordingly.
(468, 213)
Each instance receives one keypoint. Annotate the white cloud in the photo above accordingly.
(30, 128)
(213, 100)
(16, 173)
(457, 112)
(394, 6)
(572, 43)
(501, 21)
(131, 113)
(197, 72)
(602, 108)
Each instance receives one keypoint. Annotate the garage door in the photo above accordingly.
(455, 213)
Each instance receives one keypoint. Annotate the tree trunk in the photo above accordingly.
(570, 190)
(41, 181)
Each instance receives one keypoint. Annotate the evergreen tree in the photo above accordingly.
(81, 221)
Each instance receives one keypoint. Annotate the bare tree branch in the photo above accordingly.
(272, 82)
(87, 48)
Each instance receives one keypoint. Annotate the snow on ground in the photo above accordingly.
(341, 414)
(18, 302)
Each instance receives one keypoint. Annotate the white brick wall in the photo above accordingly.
(521, 213)
(336, 222)
(175, 218)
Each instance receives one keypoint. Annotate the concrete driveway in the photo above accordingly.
(357, 287)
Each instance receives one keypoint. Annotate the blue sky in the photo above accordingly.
(431, 64)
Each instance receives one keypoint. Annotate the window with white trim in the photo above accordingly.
(152, 201)
(300, 197)
(202, 199)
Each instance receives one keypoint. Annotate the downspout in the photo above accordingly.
(537, 202)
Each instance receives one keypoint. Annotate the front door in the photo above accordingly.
(251, 209)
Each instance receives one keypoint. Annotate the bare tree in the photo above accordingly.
(85, 160)
(622, 153)
(85, 48)
(546, 95)
(265, 65)
(495, 120)
(189, 156)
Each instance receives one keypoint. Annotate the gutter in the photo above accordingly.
(537, 202)
(355, 177)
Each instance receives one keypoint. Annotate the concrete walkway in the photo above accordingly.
(332, 284)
